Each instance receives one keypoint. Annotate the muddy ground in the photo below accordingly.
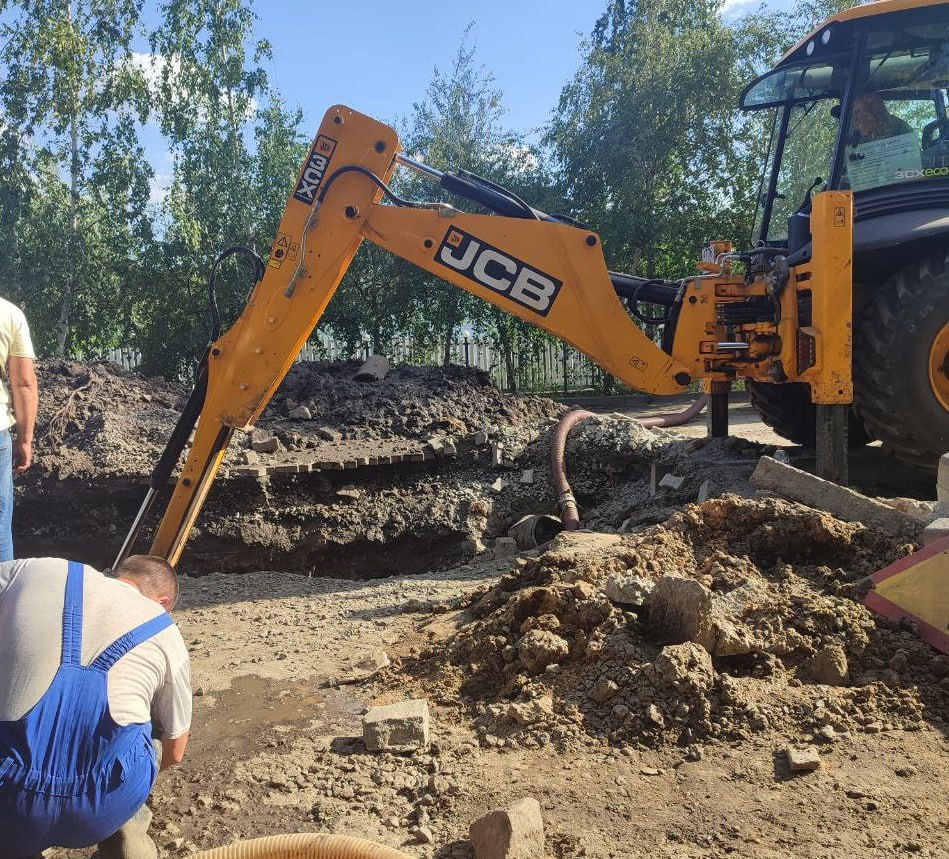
(642, 680)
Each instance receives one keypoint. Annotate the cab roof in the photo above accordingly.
(867, 10)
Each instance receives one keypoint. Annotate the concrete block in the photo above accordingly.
(942, 478)
(300, 413)
(264, 442)
(672, 481)
(515, 832)
(805, 759)
(402, 727)
(374, 369)
(499, 485)
(249, 471)
(479, 438)
(527, 476)
(935, 530)
(505, 547)
(704, 490)
(449, 448)
(839, 501)
(497, 455)
(656, 473)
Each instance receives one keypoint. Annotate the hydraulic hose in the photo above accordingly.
(569, 512)
(303, 847)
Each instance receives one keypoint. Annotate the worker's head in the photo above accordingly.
(153, 576)
(870, 113)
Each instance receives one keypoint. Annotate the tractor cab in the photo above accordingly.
(861, 104)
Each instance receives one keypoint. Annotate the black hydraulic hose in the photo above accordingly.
(212, 277)
(650, 290)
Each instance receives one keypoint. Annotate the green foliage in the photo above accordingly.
(76, 185)
(208, 96)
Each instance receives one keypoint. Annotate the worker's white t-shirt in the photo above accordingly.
(152, 681)
(14, 341)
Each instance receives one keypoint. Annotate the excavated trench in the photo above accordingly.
(397, 523)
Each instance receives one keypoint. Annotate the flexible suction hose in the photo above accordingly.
(303, 847)
(569, 513)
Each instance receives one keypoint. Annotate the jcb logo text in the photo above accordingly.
(490, 267)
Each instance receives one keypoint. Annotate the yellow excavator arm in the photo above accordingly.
(546, 271)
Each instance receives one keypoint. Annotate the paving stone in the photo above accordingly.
(802, 759)
(397, 727)
(515, 832)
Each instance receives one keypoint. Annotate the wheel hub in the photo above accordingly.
(939, 366)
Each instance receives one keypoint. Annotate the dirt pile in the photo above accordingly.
(733, 618)
(99, 420)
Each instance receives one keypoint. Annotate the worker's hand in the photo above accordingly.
(22, 455)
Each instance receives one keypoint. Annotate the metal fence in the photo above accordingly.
(553, 367)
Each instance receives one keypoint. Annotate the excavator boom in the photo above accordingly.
(550, 274)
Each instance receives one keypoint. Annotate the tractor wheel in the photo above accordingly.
(901, 363)
(788, 410)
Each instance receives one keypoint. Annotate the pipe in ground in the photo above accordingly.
(303, 847)
(569, 513)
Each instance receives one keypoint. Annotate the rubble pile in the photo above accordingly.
(735, 617)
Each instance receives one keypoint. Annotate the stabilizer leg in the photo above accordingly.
(832, 422)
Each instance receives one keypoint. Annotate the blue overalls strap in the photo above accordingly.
(72, 615)
(122, 645)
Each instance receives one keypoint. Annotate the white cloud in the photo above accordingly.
(158, 188)
(730, 6)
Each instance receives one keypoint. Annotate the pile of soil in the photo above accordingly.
(735, 617)
(100, 421)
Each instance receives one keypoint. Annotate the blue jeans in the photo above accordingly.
(6, 496)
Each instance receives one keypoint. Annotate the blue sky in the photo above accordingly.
(379, 58)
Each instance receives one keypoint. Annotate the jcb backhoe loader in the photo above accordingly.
(854, 214)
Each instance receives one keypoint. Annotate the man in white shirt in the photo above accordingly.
(93, 667)
(18, 404)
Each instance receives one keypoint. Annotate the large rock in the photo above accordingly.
(374, 369)
(540, 648)
(398, 727)
(515, 832)
(629, 589)
(685, 610)
(829, 666)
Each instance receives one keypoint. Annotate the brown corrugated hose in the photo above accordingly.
(303, 847)
(569, 513)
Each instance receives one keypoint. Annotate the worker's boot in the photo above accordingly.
(132, 840)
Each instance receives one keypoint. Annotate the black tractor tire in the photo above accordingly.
(788, 410)
(893, 338)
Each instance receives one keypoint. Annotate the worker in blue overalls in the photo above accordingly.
(88, 663)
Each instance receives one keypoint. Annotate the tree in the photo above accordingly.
(647, 137)
(458, 124)
(72, 100)
(212, 96)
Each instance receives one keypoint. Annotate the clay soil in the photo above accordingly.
(551, 674)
